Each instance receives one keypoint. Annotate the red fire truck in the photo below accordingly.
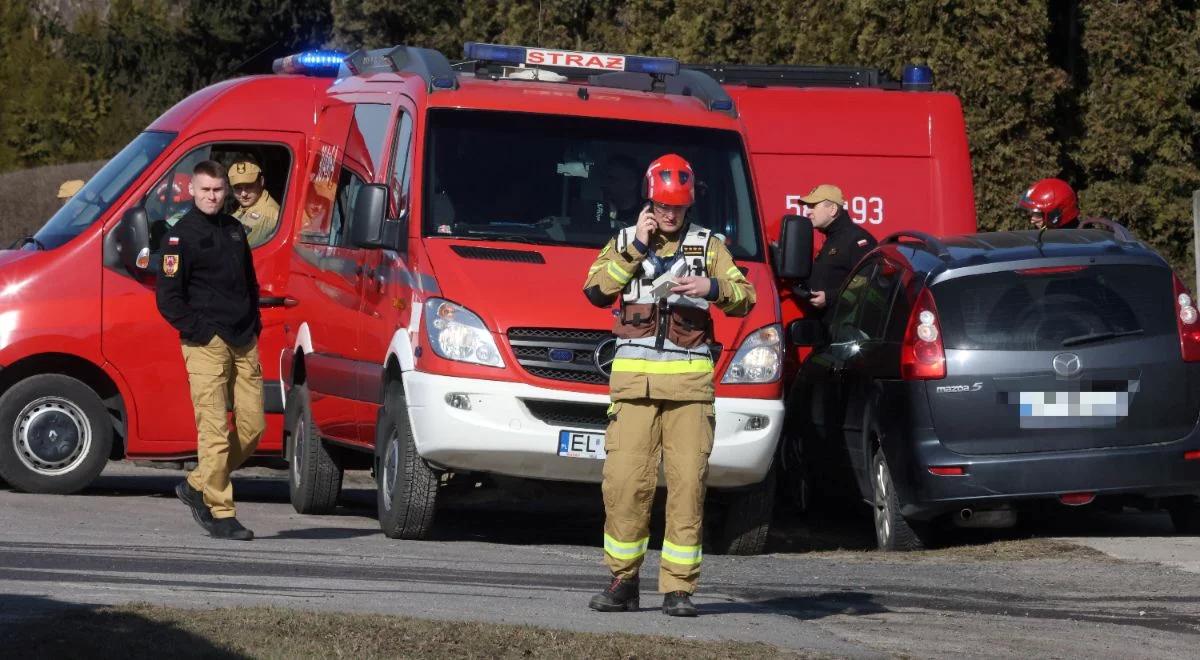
(423, 307)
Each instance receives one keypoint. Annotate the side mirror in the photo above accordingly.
(808, 332)
(368, 225)
(133, 240)
(793, 257)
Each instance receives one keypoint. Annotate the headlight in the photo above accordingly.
(760, 358)
(457, 334)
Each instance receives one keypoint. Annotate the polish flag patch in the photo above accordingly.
(862, 242)
(174, 240)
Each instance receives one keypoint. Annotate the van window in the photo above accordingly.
(574, 180)
(101, 190)
(169, 198)
(401, 168)
(1050, 310)
(343, 208)
(368, 136)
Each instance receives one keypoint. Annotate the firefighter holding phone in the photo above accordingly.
(665, 273)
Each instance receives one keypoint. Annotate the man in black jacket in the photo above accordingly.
(845, 243)
(208, 291)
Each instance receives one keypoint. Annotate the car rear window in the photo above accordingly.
(1053, 308)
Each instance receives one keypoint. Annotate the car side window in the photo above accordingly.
(343, 208)
(877, 300)
(843, 318)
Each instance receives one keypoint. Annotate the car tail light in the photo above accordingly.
(1193, 455)
(947, 470)
(1050, 270)
(1077, 499)
(1188, 320)
(922, 356)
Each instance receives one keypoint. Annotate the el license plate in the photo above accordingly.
(581, 444)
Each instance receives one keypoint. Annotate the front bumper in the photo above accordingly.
(500, 435)
(1158, 470)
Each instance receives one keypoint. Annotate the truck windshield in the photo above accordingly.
(575, 181)
(100, 191)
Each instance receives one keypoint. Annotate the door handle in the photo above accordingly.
(277, 301)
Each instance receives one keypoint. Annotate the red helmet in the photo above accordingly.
(1055, 199)
(669, 180)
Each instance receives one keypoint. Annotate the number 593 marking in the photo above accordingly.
(862, 210)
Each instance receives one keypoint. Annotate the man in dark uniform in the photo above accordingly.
(845, 243)
(208, 291)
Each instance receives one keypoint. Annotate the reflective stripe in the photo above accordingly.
(640, 366)
(618, 274)
(686, 555)
(621, 550)
(734, 273)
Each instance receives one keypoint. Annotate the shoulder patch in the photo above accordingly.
(170, 264)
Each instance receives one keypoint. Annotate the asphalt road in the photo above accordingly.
(536, 560)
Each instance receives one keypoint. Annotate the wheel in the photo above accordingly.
(314, 468)
(407, 487)
(55, 435)
(745, 519)
(892, 530)
(1185, 515)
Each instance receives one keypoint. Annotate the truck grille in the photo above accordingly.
(565, 354)
(563, 413)
(533, 348)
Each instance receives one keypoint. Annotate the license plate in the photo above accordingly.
(581, 444)
(1071, 409)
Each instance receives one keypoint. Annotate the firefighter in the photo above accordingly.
(666, 273)
(68, 189)
(845, 243)
(1051, 204)
(256, 209)
(208, 291)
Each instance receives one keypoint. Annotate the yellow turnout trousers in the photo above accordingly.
(214, 370)
(640, 433)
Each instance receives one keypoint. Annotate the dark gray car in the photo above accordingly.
(967, 378)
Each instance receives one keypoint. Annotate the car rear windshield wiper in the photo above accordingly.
(1098, 336)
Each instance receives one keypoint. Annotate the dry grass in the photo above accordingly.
(28, 197)
(145, 631)
(1003, 550)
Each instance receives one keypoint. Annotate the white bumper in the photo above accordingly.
(500, 435)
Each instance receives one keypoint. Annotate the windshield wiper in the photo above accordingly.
(26, 240)
(1098, 336)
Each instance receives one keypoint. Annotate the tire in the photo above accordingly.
(1185, 515)
(314, 468)
(892, 530)
(406, 487)
(55, 435)
(745, 519)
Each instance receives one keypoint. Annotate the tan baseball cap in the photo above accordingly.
(824, 192)
(244, 171)
(68, 188)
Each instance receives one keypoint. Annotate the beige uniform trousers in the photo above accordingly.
(640, 433)
(215, 370)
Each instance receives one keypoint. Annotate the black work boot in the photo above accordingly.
(619, 596)
(195, 501)
(230, 528)
(678, 603)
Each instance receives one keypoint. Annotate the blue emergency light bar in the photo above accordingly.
(569, 59)
(917, 77)
(322, 63)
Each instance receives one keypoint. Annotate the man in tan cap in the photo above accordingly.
(68, 189)
(256, 210)
(845, 243)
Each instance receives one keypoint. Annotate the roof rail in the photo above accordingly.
(685, 83)
(1123, 235)
(939, 248)
(786, 75)
(429, 64)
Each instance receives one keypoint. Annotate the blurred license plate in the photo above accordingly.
(581, 444)
(1074, 404)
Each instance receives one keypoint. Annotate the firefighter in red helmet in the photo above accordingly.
(665, 274)
(1051, 204)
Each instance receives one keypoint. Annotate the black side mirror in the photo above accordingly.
(793, 258)
(133, 240)
(368, 226)
(808, 332)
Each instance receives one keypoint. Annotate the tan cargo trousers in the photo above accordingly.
(215, 370)
(639, 434)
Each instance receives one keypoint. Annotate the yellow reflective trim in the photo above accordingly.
(618, 274)
(641, 366)
(686, 555)
(623, 550)
(734, 273)
(605, 250)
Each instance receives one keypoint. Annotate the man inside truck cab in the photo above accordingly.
(256, 209)
(1052, 204)
(666, 273)
(845, 243)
